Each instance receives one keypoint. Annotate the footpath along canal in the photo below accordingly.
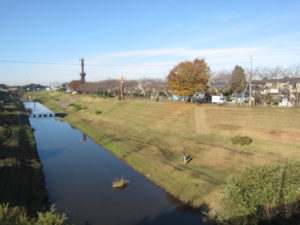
(79, 175)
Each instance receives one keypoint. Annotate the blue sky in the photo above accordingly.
(142, 38)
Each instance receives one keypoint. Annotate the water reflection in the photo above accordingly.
(185, 208)
(83, 138)
(50, 153)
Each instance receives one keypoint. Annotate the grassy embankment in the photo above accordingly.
(152, 136)
(21, 177)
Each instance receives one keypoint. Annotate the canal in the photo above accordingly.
(79, 175)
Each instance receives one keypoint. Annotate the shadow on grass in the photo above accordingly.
(21, 177)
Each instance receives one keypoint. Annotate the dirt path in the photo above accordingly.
(201, 126)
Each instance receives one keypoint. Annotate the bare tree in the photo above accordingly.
(220, 81)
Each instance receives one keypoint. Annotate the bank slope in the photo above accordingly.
(152, 137)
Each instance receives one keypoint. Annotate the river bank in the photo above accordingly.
(151, 137)
(79, 174)
(21, 176)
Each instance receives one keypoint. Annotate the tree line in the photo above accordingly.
(189, 77)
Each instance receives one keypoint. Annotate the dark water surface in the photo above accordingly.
(79, 175)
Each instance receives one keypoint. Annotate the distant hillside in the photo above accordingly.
(33, 87)
(3, 86)
(28, 87)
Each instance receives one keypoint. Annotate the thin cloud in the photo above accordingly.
(178, 25)
(228, 17)
(183, 52)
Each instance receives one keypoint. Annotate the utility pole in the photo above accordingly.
(82, 74)
(122, 81)
(250, 85)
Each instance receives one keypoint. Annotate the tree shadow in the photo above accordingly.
(21, 177)
(172, 217)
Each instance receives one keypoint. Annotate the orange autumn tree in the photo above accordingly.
(187, 77)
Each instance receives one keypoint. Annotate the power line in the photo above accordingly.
(230, 63)
(105, 65)
(39, 63)
(89, 64)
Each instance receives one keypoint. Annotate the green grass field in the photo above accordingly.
(152, 136)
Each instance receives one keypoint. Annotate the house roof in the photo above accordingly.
(290, 80)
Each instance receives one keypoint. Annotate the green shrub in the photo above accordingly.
(263, 192)
(55, 98)
(241, 140)
(98, 112)
(77, 107)
(18, 216)
(35, 164)
(51, 218)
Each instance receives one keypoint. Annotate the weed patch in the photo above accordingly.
(77, 107)
(241, 140)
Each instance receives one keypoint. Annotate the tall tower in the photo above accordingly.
(122, 80)
(82, 74)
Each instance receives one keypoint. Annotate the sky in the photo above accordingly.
(42, 41)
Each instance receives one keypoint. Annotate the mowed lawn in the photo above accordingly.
(152, 136)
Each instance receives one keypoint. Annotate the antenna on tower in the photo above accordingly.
(82, 74)
(122, 81)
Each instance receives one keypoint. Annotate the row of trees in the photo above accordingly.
(189, 77)
(111, 87)
(285, 81)
(259, 73)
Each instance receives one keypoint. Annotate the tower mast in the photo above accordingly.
(82, 74)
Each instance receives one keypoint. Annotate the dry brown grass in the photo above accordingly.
(152, 136)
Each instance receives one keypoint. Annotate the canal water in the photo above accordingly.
(79, 175)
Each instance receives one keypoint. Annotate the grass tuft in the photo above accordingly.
(241, 140)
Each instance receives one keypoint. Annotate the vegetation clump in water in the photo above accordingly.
(60, 119)
(119, 183)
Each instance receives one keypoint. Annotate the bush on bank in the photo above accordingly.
(263, 192)
(241, 140)
(18, 216)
